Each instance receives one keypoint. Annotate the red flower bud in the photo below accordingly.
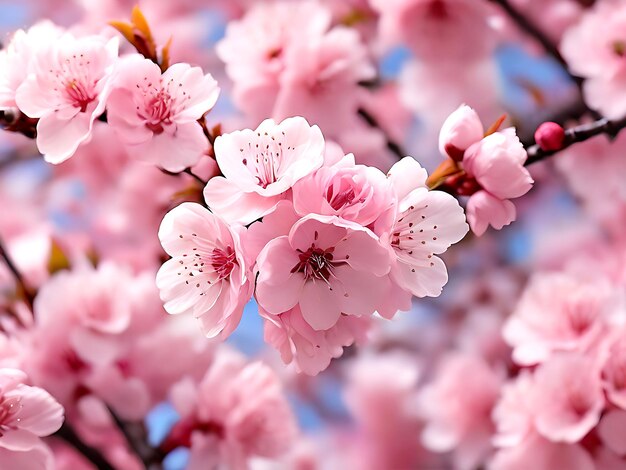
(550, 136)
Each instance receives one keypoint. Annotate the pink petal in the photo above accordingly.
(234, 205)
(58, 139)
(37, 458)
(407, 175)
(18, 440)
(40, 414)
(178, 147)
(421, 278)
(359, 292)
(460, 130)
(612, 429)
(363, 252)
(320, 305)
(122, 117)
(483, 210)
(322, 231)
(278, 289)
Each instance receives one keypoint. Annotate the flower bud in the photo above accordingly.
(550, 136)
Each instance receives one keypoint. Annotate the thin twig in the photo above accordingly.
(92, 454)
(185, 171)
(22, 288)
(394, 147)
(137, 440)
(578, 134)
(532, 30)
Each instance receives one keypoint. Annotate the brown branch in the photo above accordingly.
(22, 289)
(186, 171)
(18, 122)
(137, 440)
(532, 30)
(578, 134)
(92, 454)
(394, 147)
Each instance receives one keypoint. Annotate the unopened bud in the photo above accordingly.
(550, 136)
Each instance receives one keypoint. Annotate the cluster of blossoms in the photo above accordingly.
(487, 167)
(66, 83)
(99, 345)
(561, 399)
(288, 59)
(594, 49)
(301, 224)
(321, 242)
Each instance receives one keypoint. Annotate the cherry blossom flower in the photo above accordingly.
(155, 114)
(236, 412)
(613, 359)
(452, 30)
(102, 333)
(567, 397)
(260, 166)
(327, 266)
(513, 414)
(16, 57)
(539, 452)
(310, 350)
(457, 407)
(426, 224)
(558, 312)
(322, 73)
(26, 414)
(80, 318)
(356, 193)
(380, 395)
(207, 275)
(462, 129)
(494, 164)
(67, 89)
(254, 49)
(594, 49)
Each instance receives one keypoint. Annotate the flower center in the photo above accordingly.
(315, 263)
(79, 95)
(263, 157)
(157, 111)
(8, 409)
(223, 261)
(343, 197)
(579, 402)
(581, 315)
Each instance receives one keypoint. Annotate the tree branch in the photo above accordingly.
(136, 438)
(67, 433)
(394, 147)
(578, 134)
(185, 171)
(22, 288)
(529, 28)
